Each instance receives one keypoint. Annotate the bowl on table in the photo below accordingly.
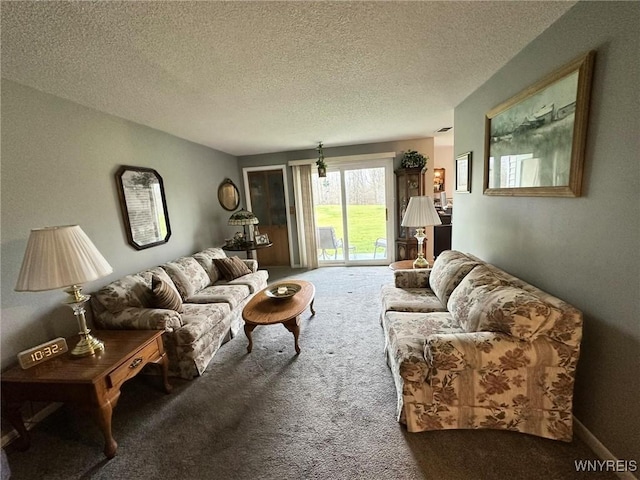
(282, 291)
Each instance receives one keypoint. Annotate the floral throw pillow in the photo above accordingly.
(166, 295)
(231, 268)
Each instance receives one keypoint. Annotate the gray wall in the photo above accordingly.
(584, 250)
(58, 165)
(422, 145)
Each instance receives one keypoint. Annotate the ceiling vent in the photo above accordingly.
(444, 129)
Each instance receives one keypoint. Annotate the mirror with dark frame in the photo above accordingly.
(144, 206)
(228, 195)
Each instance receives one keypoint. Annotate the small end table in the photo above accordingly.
(93, 383)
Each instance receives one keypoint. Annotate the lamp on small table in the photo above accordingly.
(244, 218)
(58, 257)
(420, 213)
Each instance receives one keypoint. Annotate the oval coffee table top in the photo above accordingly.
(264, 310)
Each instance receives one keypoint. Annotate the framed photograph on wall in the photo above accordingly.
(535, 141)
(463, 173)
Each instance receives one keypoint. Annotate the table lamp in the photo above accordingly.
(58, 257)
(244, 217)
(420, 213)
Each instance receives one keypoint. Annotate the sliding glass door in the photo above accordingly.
(351, 212)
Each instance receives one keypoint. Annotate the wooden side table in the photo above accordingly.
(93, 383)
(402, 265)
(249, 248)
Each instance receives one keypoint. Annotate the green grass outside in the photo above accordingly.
(366, 224)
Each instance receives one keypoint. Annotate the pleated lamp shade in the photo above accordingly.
(420, 213)
(58, 257)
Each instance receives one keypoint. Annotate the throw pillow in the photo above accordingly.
(166, 296)
(231, 268)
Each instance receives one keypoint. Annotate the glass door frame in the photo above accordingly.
(359, 164)
(247, 197)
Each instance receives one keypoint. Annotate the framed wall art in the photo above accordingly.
(144, 206)
(535, 141)
(438, 180)
(463, 173)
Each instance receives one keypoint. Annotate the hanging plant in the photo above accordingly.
(322, 167)
(413, 159)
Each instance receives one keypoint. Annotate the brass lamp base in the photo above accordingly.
(420, 262)
(87, 346)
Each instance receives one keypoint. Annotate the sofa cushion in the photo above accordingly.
(227, 293)
(188, 276)
(255, 281)
(410, 300)
(517, 312)
(128, 291)
(205, 259)
(406, 334)
(448, 271)
(231, 268)
(165, 293)
(200, 319)
(469, 297)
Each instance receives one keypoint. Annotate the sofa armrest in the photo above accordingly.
(412, 278)
(488, 351)
(251, 263)
(135, 318)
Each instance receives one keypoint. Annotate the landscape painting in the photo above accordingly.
(535, 141)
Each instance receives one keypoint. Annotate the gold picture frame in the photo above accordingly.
(535, 141)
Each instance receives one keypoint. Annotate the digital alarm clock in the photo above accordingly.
(42, 353)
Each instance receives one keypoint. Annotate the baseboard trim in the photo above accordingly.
(584, 434)
(31, 422)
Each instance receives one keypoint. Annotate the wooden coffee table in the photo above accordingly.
(264, 310)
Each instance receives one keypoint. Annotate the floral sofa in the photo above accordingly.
(471, 346)
(204, 310)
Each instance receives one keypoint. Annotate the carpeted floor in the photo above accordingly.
(325, 414)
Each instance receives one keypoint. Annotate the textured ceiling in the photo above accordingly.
(259, 77)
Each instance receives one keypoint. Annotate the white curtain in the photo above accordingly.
(305, 216)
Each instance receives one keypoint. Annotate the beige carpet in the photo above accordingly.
(325, 414)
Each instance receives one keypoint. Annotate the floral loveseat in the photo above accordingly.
(189, 299)
(471, 346)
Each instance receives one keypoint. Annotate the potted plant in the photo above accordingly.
(413, 159)
(322, 167)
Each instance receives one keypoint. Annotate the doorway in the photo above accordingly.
(267, 196)
(351, 206)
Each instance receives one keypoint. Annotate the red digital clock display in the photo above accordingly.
(41, 353)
